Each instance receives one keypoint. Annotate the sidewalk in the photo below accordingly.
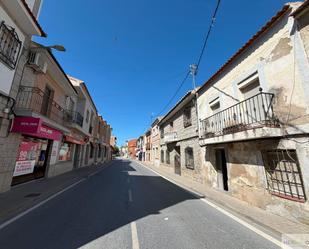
(24, 196)
(265, 221)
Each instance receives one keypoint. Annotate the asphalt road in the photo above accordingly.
(128, 206)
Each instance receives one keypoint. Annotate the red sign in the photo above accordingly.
(26, 158)
(33, 126)
(26, 124)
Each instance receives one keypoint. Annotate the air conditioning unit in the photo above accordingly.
(35, 61)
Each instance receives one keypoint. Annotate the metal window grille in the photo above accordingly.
(187, 117)
(10, 45)
(283, 174)
(189, 158)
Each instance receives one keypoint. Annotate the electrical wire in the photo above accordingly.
(175, 94)
(213, 19)
(212, 22)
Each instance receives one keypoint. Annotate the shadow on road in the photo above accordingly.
(94, 208)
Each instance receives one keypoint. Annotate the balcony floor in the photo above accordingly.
(256, 133)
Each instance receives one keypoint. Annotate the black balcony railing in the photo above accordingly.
(35, 100)
(253, 112)
(75, 118)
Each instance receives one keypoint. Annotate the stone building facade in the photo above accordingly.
(180, 150)
(155, 142)
(148, 145)
(254, 120)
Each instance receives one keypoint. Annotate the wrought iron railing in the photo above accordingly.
(10, 45)
(35, 100)
(75, 118)
(253, 112)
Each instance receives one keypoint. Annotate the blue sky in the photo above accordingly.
(133, 54)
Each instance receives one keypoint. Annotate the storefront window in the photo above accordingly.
(30, 162)
(65, 153)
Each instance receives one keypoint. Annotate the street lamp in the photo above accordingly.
(57, 47)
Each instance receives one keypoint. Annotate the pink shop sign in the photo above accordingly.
(26, 124)
(47, 132)
(34, 127)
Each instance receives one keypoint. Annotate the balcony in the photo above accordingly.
(34, 100)
(74, 118)
(252, 113)
(170, 137)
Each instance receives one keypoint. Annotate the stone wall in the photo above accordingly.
(178, 124)
(247, 177)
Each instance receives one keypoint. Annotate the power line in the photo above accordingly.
(199, 58)
(175, 94)
(213, 19)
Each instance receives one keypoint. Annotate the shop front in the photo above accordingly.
(34, 149)
(67, 148)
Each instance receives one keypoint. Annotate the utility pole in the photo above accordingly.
(193, 70)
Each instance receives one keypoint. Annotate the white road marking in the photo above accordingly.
(130, 195)
(240, 221)
(135, 243)
(3, 225)
(166, 218)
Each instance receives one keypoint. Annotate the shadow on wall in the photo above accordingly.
(95, 208)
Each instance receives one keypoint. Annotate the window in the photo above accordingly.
(251, 89)
(283, 174)
(161, 133)
(187, 117)
(171, 126)
(87, 116)
(105, 151)
(100, 151)
(10, 45)
(91, 150)
(189, 158)
(162, 156)
(65, 153)
(167, 157)
(215, 105)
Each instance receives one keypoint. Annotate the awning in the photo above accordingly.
(73, 140)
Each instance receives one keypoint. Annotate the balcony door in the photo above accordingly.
(255, 105)
(47, 101)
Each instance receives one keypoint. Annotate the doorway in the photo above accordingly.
(221, 167)
(76, 156)
(177, 161)
(47, 101)
(87, 155)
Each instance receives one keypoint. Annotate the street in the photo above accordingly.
(127, 206)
